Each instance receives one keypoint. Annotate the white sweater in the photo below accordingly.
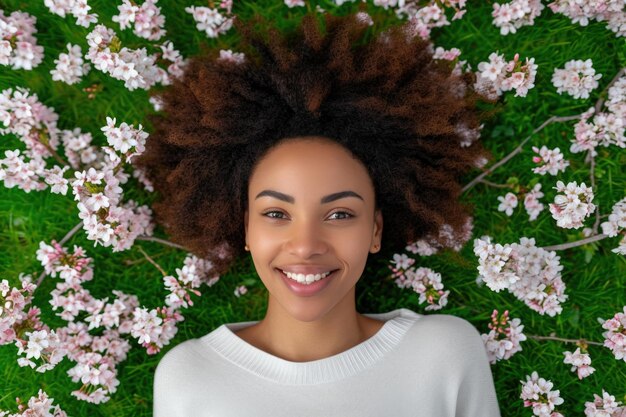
(416, 365)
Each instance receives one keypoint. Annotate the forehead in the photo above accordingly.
(310, 166)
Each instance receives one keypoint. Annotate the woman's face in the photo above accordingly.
(311, 210)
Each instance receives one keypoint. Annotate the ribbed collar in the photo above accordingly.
(358, 358)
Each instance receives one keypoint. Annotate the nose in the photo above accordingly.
(306, 239)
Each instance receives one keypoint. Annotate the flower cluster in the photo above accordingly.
(531, 202)
(424, 281)
(34, 124)
(77, 8)
(211, 21)
(30, 335)
(617, 224)
(424, 17)
(615, 335)
(582, 11)
(498, 75)
(607, 127)
(532, 274)
(98, 356)
(604, 406)
(39, 406)
(12, 304)
(533, 207)
(70, 67)
(147, 18)
(18, 46)
(105, 219)
(447, 237)
(537, 393)
(96, 190)
(550, 161)
(571, 208)
(511, 16)
(228, 55)
(578, 78)
(185, 283)
(135, 67)
(580, 361)
(503, 340)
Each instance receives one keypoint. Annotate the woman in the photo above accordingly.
(298, 154)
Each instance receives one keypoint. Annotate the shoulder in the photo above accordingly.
(447, 334)
(447, 324)
(177, 355)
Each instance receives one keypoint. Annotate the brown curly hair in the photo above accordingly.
(411, 120)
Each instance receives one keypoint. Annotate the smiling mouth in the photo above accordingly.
(307, 279)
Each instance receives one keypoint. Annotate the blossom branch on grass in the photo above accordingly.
(550, 120)
(560, 339)
(518, 149)
(152, 261)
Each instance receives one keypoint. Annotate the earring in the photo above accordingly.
(247, 248)
(376, 247)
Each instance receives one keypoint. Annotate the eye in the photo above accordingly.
(268, 214)
(347, 215)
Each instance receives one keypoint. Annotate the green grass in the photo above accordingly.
(595, 285)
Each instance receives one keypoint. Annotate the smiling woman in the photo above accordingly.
(300, 153)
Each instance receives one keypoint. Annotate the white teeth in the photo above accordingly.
(306, 279)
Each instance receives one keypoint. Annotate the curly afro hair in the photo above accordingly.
(410, 119)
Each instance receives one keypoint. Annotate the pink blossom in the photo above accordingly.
(18, 47)
(572, 207)
(604, 406)
(615, 336)
(77, 8)
(537, 393)
(531, 202)
(424, 281)
(294, 3)
(532, 274)
(503, 340)
(550, 161)
(511, 16)
(580, 363)
(578, 78)
(497, 75)
(507, 203)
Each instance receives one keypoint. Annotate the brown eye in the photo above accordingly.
(268, 213)
(347, 215)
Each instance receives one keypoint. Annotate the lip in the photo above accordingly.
(307, 290)
(307, 269)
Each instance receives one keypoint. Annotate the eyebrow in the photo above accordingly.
(326, 199)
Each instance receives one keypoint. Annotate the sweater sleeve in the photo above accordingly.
(170, 379)
(477, 394)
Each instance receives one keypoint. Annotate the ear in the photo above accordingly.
(378, 230)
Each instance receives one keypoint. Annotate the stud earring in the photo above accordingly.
(247, 248)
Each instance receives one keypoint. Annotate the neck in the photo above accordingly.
(311, 336)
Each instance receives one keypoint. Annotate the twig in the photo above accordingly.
(581, 242)
(592, 177)
(152, 261)
(601, 100)
(61, 242)
(162, 241)
(563, 340)
(493, 184)
(552, 119)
